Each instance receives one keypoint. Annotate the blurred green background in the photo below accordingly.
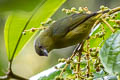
(28, 63)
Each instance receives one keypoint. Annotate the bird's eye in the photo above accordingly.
(40, 46)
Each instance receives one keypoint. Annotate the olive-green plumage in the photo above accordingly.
(65, 32)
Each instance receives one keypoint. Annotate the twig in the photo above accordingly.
(78, 66)
(88, 57)
(96, 23)
(74, 53)
(114, 10)
(63, 69)
(80, 49)
(33, 29)
(109, 13)
(108, 25)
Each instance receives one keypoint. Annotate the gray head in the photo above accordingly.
(40, 49)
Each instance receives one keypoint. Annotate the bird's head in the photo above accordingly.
(43, 44)
(40, 49)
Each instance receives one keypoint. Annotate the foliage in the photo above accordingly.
(19, 21)
(85, 62)
(13, 5)
(109, 54)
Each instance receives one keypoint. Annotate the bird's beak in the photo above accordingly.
(45, 53)
(41, 51)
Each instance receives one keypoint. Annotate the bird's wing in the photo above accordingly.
(61, 27)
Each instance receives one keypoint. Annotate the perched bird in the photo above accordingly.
(66, 32)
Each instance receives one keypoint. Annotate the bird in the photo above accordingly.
(66, 32)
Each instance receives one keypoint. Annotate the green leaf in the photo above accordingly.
(16, 5)
(18, 22)
(110, 54)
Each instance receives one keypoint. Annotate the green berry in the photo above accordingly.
(49, 21)
(118, 22)
(93, 49)
(63, 60)
(57, 78)
(90, 49)
(114, 26)
(33, 29)
(56, 67)
(42, 23)
(116, 13)
(107, 18)
(63, 10)
(101, 66)
(97, 35)
(101, 34)
(59, 60)
(71, 67)
(106, 8)
(97, 63)
(24, 33)
(113, 17)
(68, 61)
(73, 9)
(93, 54)
(97, 69)
(80, 9)
(68, 12)
(102, 7)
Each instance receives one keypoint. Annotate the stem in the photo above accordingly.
(34, 29)
(74, 53)
(96, 23)
(79, 46)
(88, 57)
(114, 10)
(63, 69)
(78, 65)
(110, 12)
(108, 25)
(79, 58)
